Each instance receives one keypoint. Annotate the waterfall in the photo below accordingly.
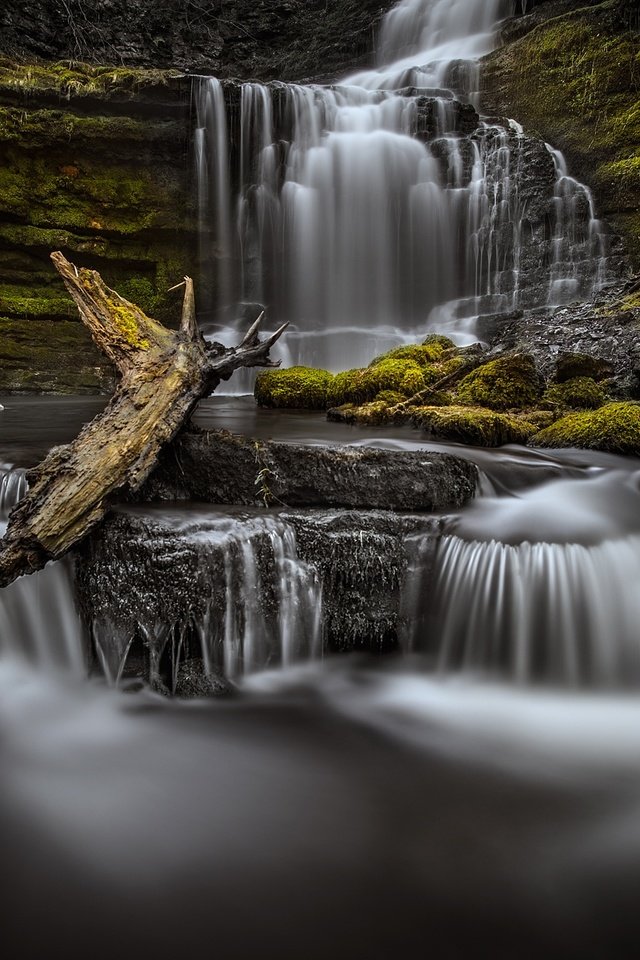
(368, 212)
(578, 237)
(256, 606)
(538, 588)
(38, 617)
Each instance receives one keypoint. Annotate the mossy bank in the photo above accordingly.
(471, 396)
(93, 162)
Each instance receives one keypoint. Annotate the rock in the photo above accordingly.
(174, 568)
(614, 428)
(572, 365)
(508, 382)
(218, 467)
(193, 682)
(471, 425)
(578, 393)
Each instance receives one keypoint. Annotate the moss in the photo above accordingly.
(576, 79)
(128, 324)
(64, 128)
(509, 382)
(78, 79)
(50, 357)
(474, 426)
(362, 385)
(539, 419)
(429, 351)
(373, 414)
(614, 428)
(390, 397)
(298, 387)
(578, 393)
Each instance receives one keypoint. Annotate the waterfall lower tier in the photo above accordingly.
(535, 586)
(383, 207)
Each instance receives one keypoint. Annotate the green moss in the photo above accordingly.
(474, 426)
(578, 393)
(423, 354)
(614, 428)
(376, 413)
(390, 397)
(362, 385)
(509, 382)
(78, 79)
(298, 387)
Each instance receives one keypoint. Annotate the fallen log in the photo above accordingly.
(163, 374)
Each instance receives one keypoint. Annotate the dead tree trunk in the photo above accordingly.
(164, 373)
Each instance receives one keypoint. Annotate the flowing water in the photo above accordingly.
(372, 210)
(477, 793)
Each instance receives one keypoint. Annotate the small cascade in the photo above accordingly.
(257, 606)
(39, 622)
(552, 601)
(368, 212)
(13, 486)
(578, 265)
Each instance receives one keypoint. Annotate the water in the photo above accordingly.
(341, 805)
(479, 793)
(383, 207)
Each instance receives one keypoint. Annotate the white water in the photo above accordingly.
(367, 213)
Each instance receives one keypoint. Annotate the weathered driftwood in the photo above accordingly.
(163, 375)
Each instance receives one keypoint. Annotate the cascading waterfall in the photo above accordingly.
(536, 589)
(38, 617)
(263, 607)
(371, 211)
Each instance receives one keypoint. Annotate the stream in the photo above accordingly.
(476, 791)
(361, 806)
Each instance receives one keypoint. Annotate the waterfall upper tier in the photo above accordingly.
(374, 207)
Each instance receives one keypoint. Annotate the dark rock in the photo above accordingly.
(193, 682)
(570, 365)
(146, 567)
(267, 40)
(606, 330)
(218, 467)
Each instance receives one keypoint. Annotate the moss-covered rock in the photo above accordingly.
(424, 354)
(374, 414)
(614, 428)
(362, 385)
(472, 425)
(43, 357)
(575, 79)
(579, 393)
(296, 387)
(506, 383)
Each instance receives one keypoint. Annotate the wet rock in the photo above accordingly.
(161, 583)
(218, 467)
(606, 330)
(572, 365)
(193, 682)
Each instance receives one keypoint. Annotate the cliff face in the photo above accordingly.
(265, 40)
(93, 161)
(571, 72)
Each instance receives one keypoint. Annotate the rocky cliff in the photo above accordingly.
(570, 71)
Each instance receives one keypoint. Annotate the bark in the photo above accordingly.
(163, 374)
